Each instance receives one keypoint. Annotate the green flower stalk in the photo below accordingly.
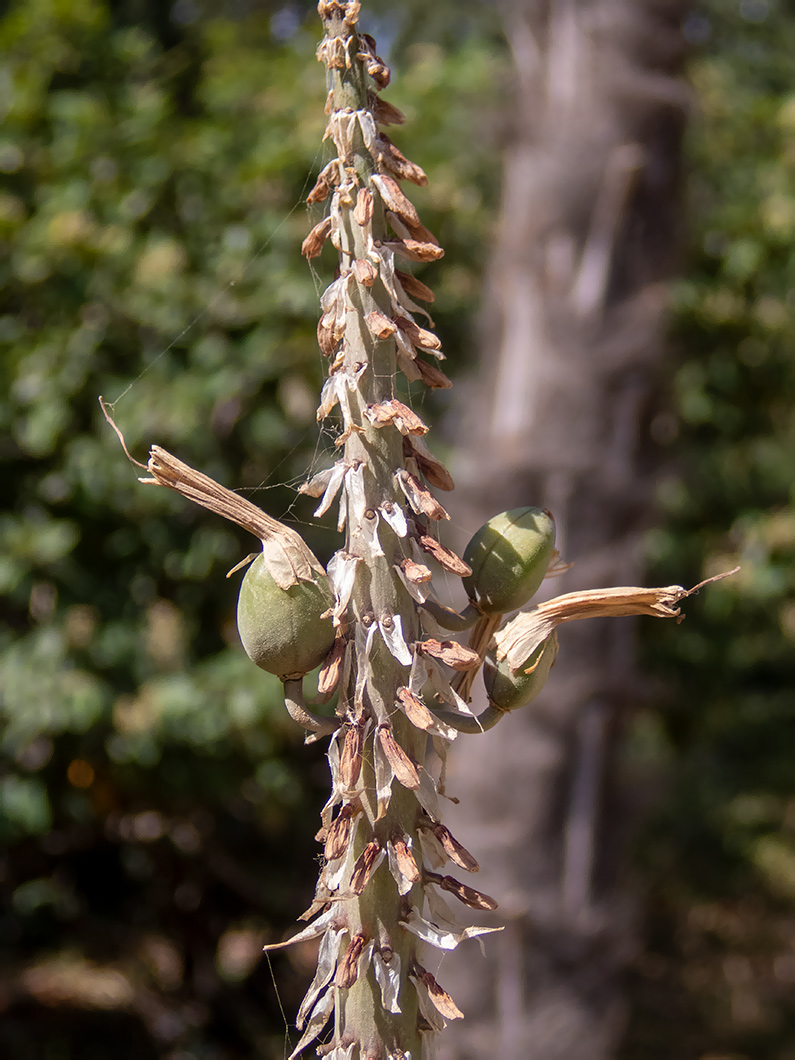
(380, 892)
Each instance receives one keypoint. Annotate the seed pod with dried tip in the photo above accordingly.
(287, 632)
(508, 689)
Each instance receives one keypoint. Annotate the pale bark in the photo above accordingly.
(557, 416)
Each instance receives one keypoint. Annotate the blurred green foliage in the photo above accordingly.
(718, 975)
(156, 805)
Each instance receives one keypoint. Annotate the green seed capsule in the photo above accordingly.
(509, 557)
(281, 629)
(508, 690)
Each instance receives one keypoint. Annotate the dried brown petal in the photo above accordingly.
(339, 832)
(329, 675)
(379, 71)
(455, 852)
(414, 709)
(423, 234)
(380, 326)
(414, 250)
(365, 865)
(348, 968)
(433, 470)
(416, 573)
(441, 1000)
(414, 287)
(451, 653)
(363, 210)
(419, 498)
(395, 200)
(313, 244)
(468, 895)
(404, 769)
(432, 376)
(444, 556)
(396, 162)
(351, 757)
(394, 411)
(426, 340)
(383, 111)
(405, 859)
(320, 191)
(326, 335)
(365, 272)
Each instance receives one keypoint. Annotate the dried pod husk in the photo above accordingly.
(508, 689)
(509, 557)
(284, 631)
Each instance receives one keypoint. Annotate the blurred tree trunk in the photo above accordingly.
(558, 416)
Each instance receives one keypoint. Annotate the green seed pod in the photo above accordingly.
(509, 557)
(281, 629)
(508, 690)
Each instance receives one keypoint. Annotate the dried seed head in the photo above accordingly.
(363, 210)
(314, 242)
(404, 769)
